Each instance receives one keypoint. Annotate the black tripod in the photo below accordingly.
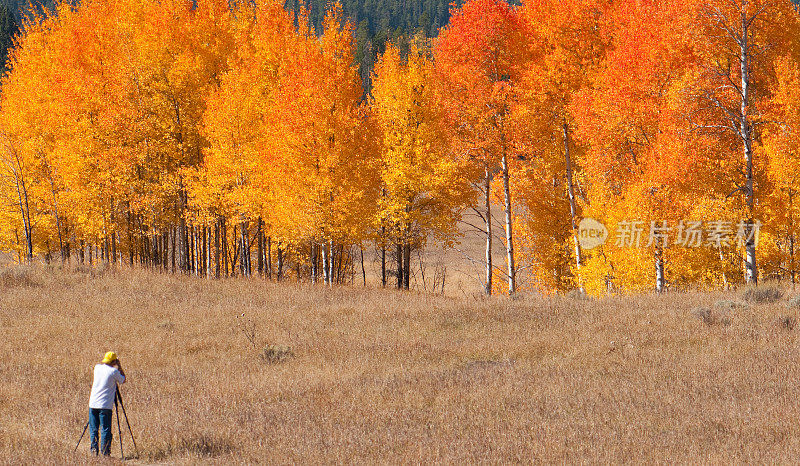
(122, 405)
(117, 403)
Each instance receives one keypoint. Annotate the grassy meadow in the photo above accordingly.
(245, 371)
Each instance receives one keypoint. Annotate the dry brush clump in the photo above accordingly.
(269, 353)
(391, 377)
(714, 316)
(13, 277)
(793, 302)
(787, 322)
(762, 294)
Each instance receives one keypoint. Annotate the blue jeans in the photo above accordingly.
(100, 418)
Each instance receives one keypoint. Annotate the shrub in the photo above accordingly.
(762, 294)
(713, 317)
(727, 305)
(274, 354)
(787, 322)
(204, 446)
(793, 302)
(93, 271)
(580, 295)
(18, 277)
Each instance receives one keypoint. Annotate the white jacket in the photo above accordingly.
(104, 387)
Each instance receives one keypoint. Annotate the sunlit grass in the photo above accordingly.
(385, 376)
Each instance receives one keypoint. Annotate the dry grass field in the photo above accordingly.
(389, 377)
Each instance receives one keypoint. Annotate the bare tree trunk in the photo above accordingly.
(235, 259)
(245, 261)
(114, 247)
(225, 261)
(269, 257)
(129, 223)
(260, 246)
(206, 257)
(406, 265)
(363, 270)
(325, 260)
(399, 260)
(722, 265)
(216, 250)
(280, 263)
(183, 253)
(383, 245)
(659, 260)
(512, 271)
(19, 246)
(159, 247)
(165, 250)
(751, 269)
(488, 214)
(68, 244)
(331, 262)
(201, 252)
(444, 276)
(383, 257)
(194, 256)
(791, 260)
(210, 252)
(24, 206)
(174, 251)
(573, 208)
(190, 248)
(152, 249)
(791, 240)
(58, 227)
(53, 192)
(313, 263)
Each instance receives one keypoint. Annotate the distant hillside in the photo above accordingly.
(377, 15)
(379, 21)
(376, 21)
(8, 28)
(386, 17)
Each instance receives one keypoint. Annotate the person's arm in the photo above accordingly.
(121, 372)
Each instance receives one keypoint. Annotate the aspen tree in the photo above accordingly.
(479, 57)
(424, 188)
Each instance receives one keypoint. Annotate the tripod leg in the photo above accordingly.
(124, 413)
(82, 434)
(119, 429)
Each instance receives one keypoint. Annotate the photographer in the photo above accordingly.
(107, 375)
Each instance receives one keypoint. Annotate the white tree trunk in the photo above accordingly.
(751, 269)
(512, 273)
(573, 208)
(488, 214)
(659, 260)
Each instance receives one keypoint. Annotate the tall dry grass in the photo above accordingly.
(373, 376)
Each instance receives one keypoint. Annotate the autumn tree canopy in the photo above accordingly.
(219, 138)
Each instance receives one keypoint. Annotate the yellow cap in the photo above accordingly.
(109, 357)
